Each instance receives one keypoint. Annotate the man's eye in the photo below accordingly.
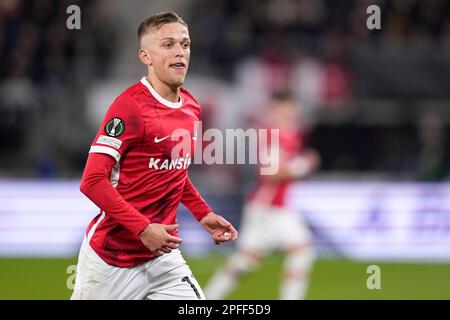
(167, 45)
(186, 45)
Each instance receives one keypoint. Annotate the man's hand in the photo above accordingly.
(219, 228)
(157, 239)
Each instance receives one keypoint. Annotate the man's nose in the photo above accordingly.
(179, 51)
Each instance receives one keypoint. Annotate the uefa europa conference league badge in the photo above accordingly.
(115, 127)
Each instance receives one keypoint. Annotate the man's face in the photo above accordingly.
(284, 111)
(169, 52)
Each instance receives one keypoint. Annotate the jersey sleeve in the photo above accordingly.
(122, 127)
(96, 186)
(193, 201)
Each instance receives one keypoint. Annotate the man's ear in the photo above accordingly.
(144, 57)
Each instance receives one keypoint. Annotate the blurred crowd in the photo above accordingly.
(369, 93)
(326, 29)
(43, 71)
(36, 44)
(342, 73)
(324, 50)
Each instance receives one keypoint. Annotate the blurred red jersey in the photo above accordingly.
(291, 143)
(137, 132)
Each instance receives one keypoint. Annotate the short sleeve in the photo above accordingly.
(121, 129)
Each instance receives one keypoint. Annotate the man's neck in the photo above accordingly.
(165, 91)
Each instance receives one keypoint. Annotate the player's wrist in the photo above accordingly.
(206, 216)
(145, 230)
(201, 217)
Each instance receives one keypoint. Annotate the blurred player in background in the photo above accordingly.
(267, 223)
(130, 250)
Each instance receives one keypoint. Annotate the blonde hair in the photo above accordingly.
(155, 22)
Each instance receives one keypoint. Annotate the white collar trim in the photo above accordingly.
(173, 105)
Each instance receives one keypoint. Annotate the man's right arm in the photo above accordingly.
(95, 184)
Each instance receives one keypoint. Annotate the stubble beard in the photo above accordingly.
(175, 83)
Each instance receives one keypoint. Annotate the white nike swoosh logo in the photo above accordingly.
(159, 140)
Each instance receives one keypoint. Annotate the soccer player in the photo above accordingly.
(268, 223)
(133, 174)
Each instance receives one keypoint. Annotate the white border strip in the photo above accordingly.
(173, 105)
(91, 232)
(101, 149)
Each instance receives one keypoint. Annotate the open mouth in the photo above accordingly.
(179, 66)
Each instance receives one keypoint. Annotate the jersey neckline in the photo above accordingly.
(173, 105)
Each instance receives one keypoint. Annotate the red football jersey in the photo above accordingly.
(291, 143)
(140, 131)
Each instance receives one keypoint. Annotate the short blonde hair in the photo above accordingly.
(155, 22)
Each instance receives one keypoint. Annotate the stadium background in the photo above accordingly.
(378, 101)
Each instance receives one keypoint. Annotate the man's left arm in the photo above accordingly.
(220, 229)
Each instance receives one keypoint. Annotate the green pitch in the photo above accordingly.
(330, 279)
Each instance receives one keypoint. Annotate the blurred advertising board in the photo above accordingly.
(358, 220)
(379, 220)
